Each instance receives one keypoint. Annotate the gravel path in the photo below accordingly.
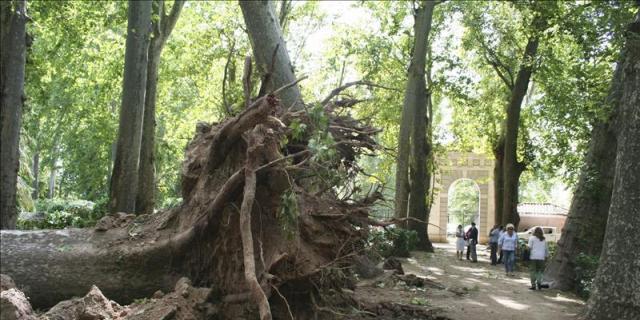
(485, 291)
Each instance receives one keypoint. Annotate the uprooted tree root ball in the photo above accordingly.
(261, 223)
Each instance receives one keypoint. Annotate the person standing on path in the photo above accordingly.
(507, 244)
(467, 236)
(539, 251)
(460, 242)
(473, 241)
(501, 229)
(494, 236)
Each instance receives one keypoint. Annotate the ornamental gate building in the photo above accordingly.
(456, 167)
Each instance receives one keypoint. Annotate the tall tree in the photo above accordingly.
(124, 179)
(270, 52)
(512, 168)
(584, 229)
(13, 20)
(615, 287)
(414, 108)
(161, 29)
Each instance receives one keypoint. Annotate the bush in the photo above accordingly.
(59, 214)
(391, 242)
(585, 270)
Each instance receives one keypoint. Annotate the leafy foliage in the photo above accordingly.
(61, 213)
(288, 215)
(585, 270)
(391, 242)
(464, 202)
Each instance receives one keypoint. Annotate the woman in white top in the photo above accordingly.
(539, 252)
(459, 242)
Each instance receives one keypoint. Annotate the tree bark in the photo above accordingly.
(270, 51)
(415, 97)
(124, 180)
(145, 200)
(512, 168)
(498, 178)
(52, 180)
(419, 182)
(583, 232)
(36, 175)
(53, 265)
(615, 287)
(13, 15)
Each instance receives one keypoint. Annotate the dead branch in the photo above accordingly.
(246, 81)
(227, 107)
(287, 86)
(347, 85)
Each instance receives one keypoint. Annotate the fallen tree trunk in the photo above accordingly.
(221, 236)
(55, 265)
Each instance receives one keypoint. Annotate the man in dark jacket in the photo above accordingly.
(473, 241)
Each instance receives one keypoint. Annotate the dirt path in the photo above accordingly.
(491, 294)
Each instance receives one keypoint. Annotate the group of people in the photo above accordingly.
(503, 243)
(468, 239)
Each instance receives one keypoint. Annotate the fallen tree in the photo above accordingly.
(260, 215)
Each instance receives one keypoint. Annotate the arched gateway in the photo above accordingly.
(462, 165)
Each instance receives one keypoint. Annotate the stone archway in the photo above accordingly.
(458, 165)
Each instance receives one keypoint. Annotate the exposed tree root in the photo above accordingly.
(258, 218)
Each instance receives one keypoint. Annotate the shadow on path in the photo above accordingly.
(483, 291)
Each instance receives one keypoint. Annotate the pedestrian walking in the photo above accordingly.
(507, 245)
(494, 236)
(539, 251)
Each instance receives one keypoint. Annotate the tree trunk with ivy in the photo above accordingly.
(615, 292)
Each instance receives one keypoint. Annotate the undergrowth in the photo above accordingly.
(62, 213)
(391, 242)
(585, 272)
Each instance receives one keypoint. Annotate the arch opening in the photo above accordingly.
(463, 205)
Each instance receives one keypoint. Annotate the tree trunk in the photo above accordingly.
(419, 182)
(52, 180)
(13, 17)
(124, 180)
(145, 200)
(615, 287)
(583, 232)
(415, 97)
(270, 51)
(36, 175)
(512, 168)
(58, 264)
(498, 179)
